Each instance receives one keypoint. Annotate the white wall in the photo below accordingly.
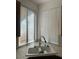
(50, 20)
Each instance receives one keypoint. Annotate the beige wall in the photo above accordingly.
(50, 20)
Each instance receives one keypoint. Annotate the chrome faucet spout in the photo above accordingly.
(40, 41)
(44, 39)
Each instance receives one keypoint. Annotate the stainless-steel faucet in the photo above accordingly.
(41, 41)
(44, 39)
(40, 47)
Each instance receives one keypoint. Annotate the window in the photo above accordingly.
(27, 26)
(30, 26)
(23, 26)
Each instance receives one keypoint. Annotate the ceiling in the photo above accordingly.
(39, 1)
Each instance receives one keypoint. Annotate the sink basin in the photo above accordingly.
(36, 49)
(45, 51)
(32, 50)
(40, 50)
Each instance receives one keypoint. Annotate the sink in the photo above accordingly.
(39, 50)
(42, 50)
(32, 50)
